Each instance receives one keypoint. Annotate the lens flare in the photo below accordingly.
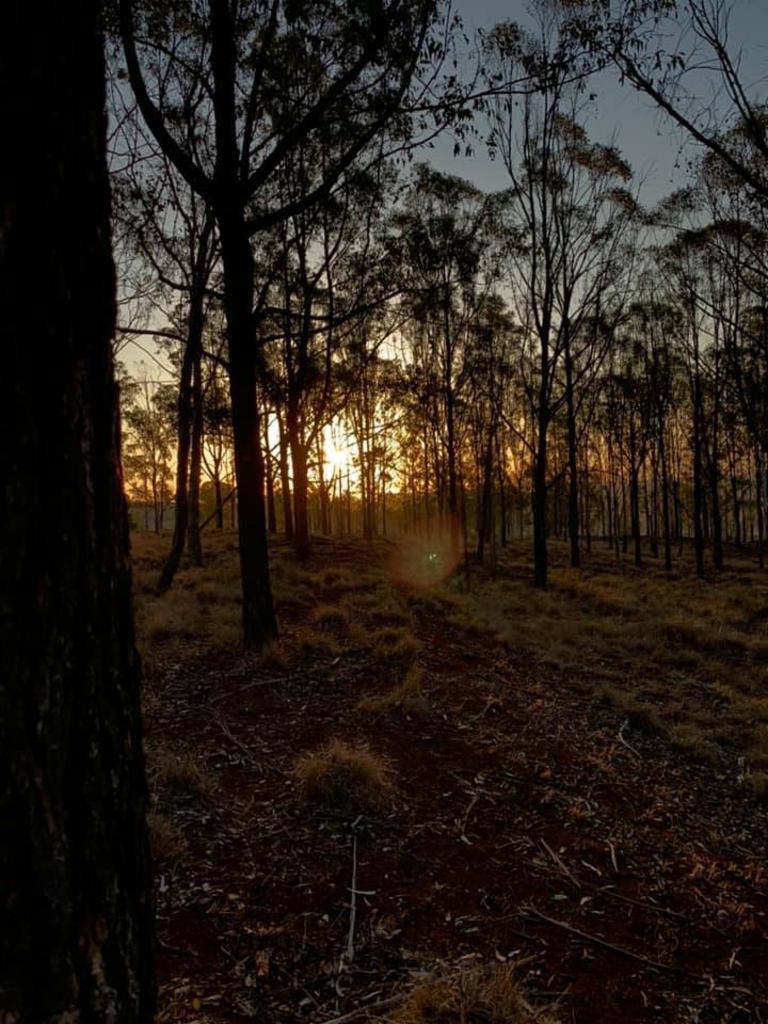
(424, 561)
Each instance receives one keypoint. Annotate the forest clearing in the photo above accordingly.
(510, 795)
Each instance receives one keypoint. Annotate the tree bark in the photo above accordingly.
(259, 622)
(77, 933)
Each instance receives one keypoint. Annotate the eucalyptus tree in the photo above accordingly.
(162, 225)
(488, 361)
(363, 72)
(699, 82)
(446, 244)
(569, 212)
(148, 414)
(334, 273)
(77, 934)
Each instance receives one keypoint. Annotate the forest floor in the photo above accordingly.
(565, 782)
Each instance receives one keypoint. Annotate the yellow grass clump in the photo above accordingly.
(488, 994)
(344, 777)
(178, 771)
(407, 697)
(330, 618)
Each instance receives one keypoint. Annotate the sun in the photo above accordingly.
(338, 454)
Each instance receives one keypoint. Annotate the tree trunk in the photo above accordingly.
(285, 487)
(259, 622)
(194, 543)
(77, 934)
(573, 465)
(484, 520)
(271, 513)
(184, 412)
(540, 506)
(300, 489)
(219, 502)
(665, 502)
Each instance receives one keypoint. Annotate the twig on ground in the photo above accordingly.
(560, 863)
(624, 743)
(465, 819)
(353, 902)
(223, 725)
(597, 941)
(363, 1011)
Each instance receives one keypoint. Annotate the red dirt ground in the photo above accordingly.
(521, 813)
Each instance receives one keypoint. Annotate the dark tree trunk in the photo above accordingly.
(259, 622)
(219, 502)
(502, 498)
(540, 508)
(322, 487)
(484, 517)
(759, 508)
(184, 412)
(634, 511)
(717, 518)
(698, 487)
(300, 489)
(285, 487)
(77, 935)
(194, 542)
(271, 513)
(573, 464)
(665, 502)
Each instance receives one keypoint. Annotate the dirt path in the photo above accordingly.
(529, 826)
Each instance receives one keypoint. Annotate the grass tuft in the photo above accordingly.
(408, 697)
(330, 618)
(756, 784)
(166, 841)
(178, 771)
(491, 994)
(344, 777)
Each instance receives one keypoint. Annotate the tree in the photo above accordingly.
(719, 111)
(360, 73)
(76, 940)
(445, 244)
(569, 212)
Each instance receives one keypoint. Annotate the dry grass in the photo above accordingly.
(330, 618)
(394, 644)
(757, 785)
(682, 656)
(166, 841)
(344, 777)
(407, 697)
(178, 771)
(488, 994)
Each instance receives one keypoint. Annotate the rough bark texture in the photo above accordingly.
(76, 935)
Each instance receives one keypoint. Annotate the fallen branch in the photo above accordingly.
(597, 941)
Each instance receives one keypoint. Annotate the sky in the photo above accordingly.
(657, 152)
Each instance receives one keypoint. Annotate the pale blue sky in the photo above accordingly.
(657, 152)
